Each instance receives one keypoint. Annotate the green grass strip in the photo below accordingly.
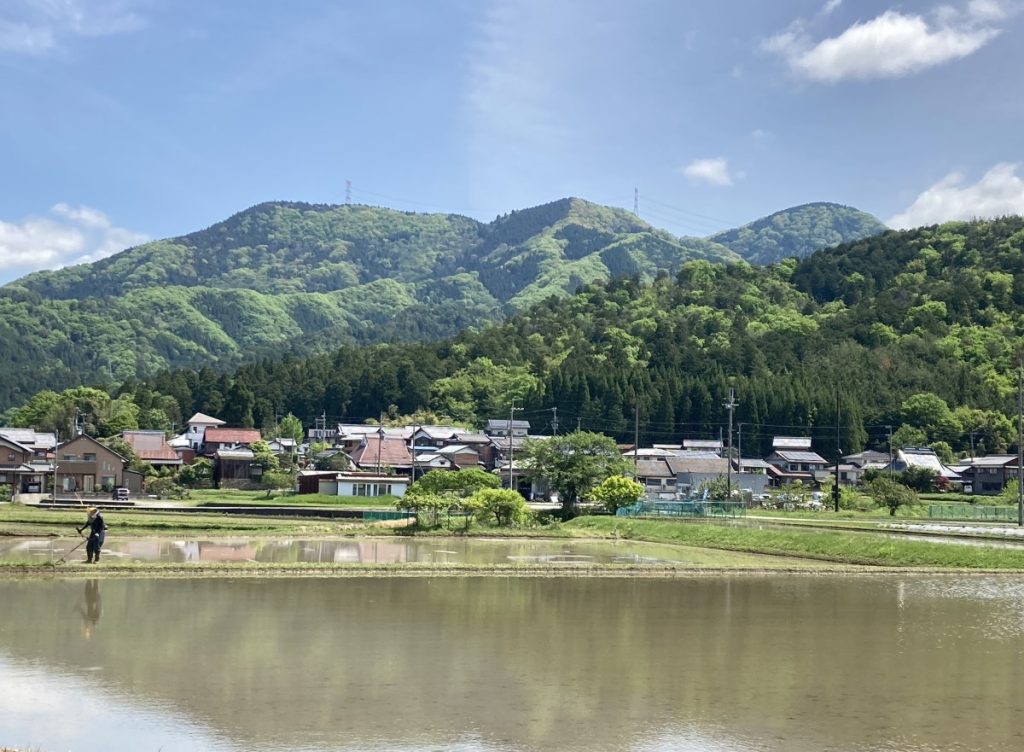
(824, 545)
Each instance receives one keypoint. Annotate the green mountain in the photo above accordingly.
(919, 330)
(302, 278)
(799, 232)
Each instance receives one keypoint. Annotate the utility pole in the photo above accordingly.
(380, 442)
(730, 406)
(56, 457)
(890, 451)
(839, 452)
(739, 448)
(1020, 442)
(636, 437)
(554, 421)
(415, 430)
(511, 448)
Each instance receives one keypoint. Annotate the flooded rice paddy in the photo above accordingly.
(726, 664)
(391, 550)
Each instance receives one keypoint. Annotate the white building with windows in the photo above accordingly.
(344, 484)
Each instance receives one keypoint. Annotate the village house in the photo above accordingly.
(26, 460)
(988, 476)
(152, 447)
(217, 439)
(792, 460)
(195, 433)
(86, 466)
(356, 484)
(925, 457)
(382, 451)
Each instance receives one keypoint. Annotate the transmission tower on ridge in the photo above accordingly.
(636, 202)
(348, 191)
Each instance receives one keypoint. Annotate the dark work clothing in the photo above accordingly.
(97, 534)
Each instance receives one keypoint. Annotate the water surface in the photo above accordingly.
(390, 550)
(734, 664)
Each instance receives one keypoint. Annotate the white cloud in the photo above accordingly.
(891, 45)
(69, 235)
(713, 171)
(999, 192)
(830, 6)
(37, 26)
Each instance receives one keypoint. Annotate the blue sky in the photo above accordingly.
(124, 120)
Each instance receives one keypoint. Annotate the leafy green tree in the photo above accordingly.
(944, 452)
(197, 474)
(909, 436)
(276, 481)
(427, 507)
(164, 487)
(890, 494)
(263, 457)
(717, 489)
(572, 464)
(290, 428)
(618, 491)
(931, 414)
(459, 483)
(921, 479)
(502, 506)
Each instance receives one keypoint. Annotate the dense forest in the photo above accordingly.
(798, 232)
(919, 331)
(298, 278)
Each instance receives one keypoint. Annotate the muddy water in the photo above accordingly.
(392, 550)
(799, 663)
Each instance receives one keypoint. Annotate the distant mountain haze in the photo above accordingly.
(293, 277)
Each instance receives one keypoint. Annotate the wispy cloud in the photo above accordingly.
(891, 45)
(713, 171)
(67, 235)
(830, 6)
(511, 92)
(36, 27)
(1000, 191)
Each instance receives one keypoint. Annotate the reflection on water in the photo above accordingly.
(722, 664)
(391, 550)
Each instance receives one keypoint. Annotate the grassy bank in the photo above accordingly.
(845, 548)
(29, 521)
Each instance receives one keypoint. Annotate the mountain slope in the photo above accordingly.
(799, 232)
(300, 278)
(920, 327)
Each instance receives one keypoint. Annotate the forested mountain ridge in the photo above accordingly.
(919, 329)
(799, 232)
(301, 278)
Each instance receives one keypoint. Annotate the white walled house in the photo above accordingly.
(344, 484)
(196, 431)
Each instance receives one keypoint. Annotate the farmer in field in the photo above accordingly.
(97, 534)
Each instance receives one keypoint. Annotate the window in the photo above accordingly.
(70, 457)
(88, 457)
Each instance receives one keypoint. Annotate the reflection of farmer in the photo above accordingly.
(93, 608)
(97, 533)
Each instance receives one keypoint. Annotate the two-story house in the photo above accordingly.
(195, 433)
(988, 476)
(27, 464)
(792, 459)
(84, 465)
